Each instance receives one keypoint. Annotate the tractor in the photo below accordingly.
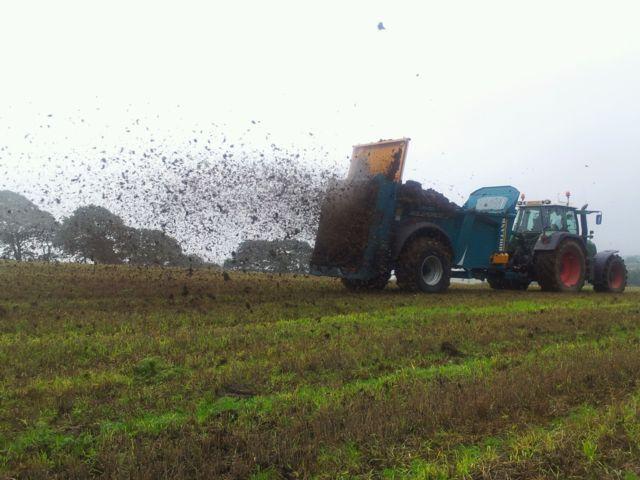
(552, 245)
(372, 225)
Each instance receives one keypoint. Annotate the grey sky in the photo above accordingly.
(541, 95)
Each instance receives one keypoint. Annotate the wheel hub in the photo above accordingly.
(432, 270)
(616, 276)
(570, 269)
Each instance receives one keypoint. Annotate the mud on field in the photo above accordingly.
(115, 369)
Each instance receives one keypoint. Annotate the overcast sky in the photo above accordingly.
(541, 95)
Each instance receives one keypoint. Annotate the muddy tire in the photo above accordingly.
(562, 270)
(614, 276)
(377, 283)
(424, 265)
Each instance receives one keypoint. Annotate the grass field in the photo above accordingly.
(160, 373)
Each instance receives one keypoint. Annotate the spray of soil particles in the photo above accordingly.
(210, 192)
(346, 217)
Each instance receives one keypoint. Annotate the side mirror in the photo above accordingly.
(598, 219)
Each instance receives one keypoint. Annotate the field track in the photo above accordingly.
(119, 372)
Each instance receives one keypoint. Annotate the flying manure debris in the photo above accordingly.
(209, 192)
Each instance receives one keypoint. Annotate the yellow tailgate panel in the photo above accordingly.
(385, 157)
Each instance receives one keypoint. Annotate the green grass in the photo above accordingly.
(159, 373)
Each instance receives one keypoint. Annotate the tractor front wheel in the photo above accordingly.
(614, 276)
(424, 265)
(562, 270)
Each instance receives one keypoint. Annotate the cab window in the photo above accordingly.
(572, 222)
(494, 203)
(529, 220)
(555, 221)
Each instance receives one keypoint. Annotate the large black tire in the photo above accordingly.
(500, 283)
(563, 269)
(377, 283)
(424, 265)
(614, 276)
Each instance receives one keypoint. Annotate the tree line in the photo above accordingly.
(90, 234)
(275, 256)
(95, 234)
(633, 266)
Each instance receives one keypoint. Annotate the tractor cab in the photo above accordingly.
(535, 218)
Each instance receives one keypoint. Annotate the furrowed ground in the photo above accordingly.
(120, 372)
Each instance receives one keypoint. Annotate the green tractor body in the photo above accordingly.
(552, 245)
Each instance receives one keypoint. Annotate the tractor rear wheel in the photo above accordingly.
(425, 265)
(376, 283)
(561, 270)
(614, 276)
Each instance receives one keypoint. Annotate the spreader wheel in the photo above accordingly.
(562, 270)
(614, 276)
(424, 265)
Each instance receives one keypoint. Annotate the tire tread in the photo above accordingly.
(547, 271)
(407, 270)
